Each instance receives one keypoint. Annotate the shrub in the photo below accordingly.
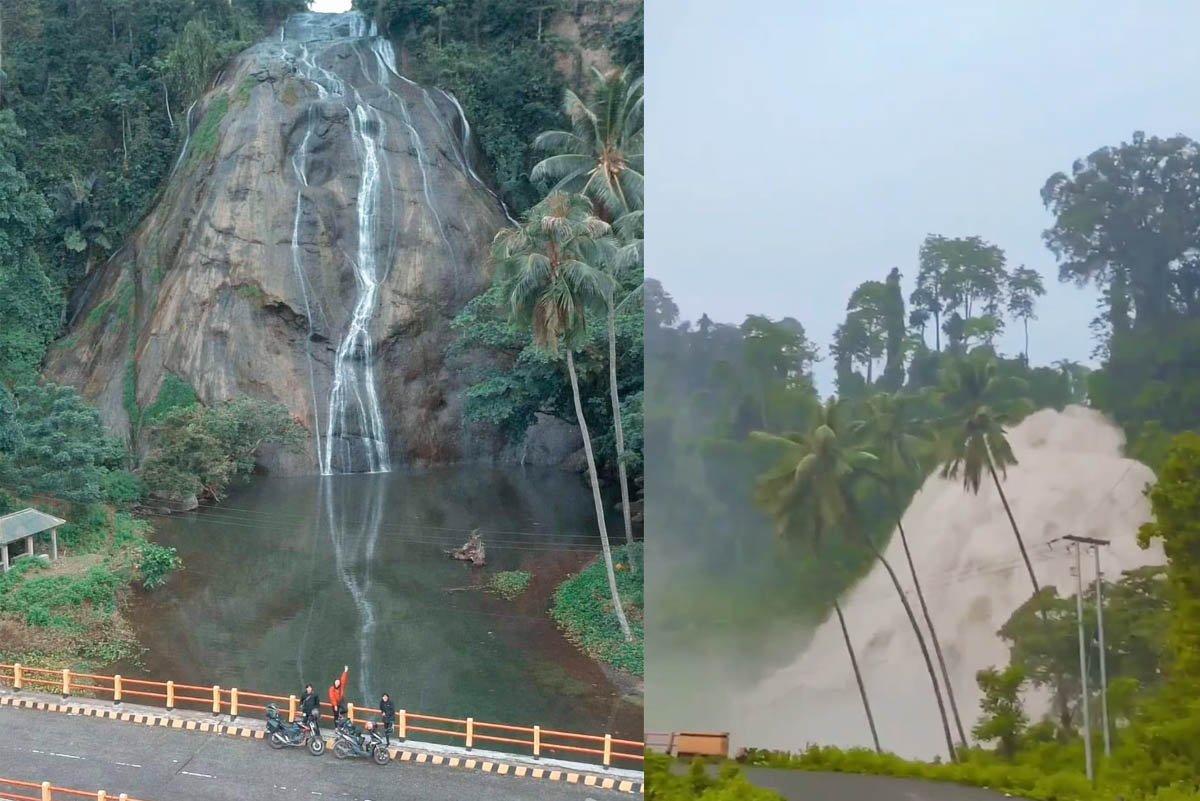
(509, 584)
(156, 564)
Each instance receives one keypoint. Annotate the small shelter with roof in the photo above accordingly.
(25, 526)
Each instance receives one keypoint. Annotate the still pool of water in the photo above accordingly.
(289, 579)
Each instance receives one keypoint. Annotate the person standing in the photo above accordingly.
(337, 695)
(388, 709)
(310, 706)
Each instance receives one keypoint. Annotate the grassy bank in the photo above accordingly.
(1051, 772)
(698, 785)
(69, 613)
(583, 609)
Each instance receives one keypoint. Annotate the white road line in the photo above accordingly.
(52, 753)
(201, 775)
(128, 765)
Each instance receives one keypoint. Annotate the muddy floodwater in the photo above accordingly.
(289, 579)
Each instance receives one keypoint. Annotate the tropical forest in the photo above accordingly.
(914, 575)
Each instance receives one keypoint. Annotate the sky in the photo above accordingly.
(799, 147)
(329, 5)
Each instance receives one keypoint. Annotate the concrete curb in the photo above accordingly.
(490, 765)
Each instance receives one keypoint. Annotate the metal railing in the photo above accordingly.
(234, 702)
(47, 792)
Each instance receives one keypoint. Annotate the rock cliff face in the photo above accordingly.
(321, 227)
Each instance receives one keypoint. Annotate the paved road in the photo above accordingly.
(175, 765)
(798, 785)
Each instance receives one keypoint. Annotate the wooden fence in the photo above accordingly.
(234, 702)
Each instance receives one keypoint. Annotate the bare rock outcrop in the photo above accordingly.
(320, 229)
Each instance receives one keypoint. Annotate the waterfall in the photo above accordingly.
(466, 149)
(355, 436)
(187, 138)
(299, 163)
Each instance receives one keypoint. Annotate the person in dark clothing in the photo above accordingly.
(389, 717)
(310, 707)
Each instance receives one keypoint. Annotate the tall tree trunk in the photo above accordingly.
(912, 619)
(862, 688)
(937, 646)
(617, 424)
(591, 463)
(1062, 698)
(937, 332)
(1013, 522)
(1025, 320)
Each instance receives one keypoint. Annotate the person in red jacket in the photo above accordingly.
(337, 695)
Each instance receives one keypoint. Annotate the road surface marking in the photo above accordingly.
(129, 764)
(52, 753)
(201, 775)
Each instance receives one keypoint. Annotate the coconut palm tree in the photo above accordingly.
(812, 492)
(601, 156)
(980, 402)
(628, 257)
(897, 437)
(549, 274)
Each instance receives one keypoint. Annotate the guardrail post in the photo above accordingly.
(101, 795)
(17, 679)
(291, 709)
(607, 750)
(350, 712)
(470, 732)
(66, 687)
(122, 797)
(46, 791)
(233, 704)
(537, 741)
(216, 699)
(117, 690)
(170, 696)
(401, 725)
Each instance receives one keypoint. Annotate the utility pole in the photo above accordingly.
(1095, 544)
(1083, 675)
(1103, 671)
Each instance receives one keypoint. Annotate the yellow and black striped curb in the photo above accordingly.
(419, 757)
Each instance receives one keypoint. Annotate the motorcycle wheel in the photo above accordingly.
(276, 740)
(381, 755)
(316, 746)
(341, 750)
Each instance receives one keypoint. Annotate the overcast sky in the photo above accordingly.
(329, 5)
(799, 147)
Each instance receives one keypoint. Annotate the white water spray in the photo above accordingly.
(1071, 479)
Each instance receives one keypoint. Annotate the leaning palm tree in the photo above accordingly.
(627, 258)
(549, 274)
(896, 436)
(601, 156)
(812, 492)
(980, 402)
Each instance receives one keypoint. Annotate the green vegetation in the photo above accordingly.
(663, 784)
(175, 393)
(204, 140)
(69, 613)
(510, 583)
(201, 449)
(583, 608)
(751, 449)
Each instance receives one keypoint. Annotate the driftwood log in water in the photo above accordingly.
(472, 550)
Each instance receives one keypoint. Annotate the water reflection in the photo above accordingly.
(289, 579)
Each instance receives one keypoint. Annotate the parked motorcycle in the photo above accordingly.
(354, 742)
(300, 734)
